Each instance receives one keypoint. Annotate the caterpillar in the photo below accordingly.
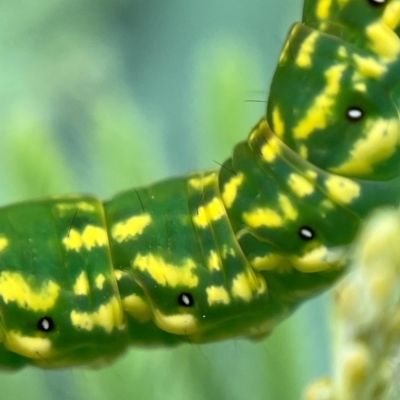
(225, 253)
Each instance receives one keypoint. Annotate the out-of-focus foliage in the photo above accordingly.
(98, 96)
(367, 318)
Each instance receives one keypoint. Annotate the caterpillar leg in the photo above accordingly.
(367, 318)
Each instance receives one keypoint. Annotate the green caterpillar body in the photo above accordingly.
(226, 253)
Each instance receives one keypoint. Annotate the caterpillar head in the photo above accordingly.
(333, 103)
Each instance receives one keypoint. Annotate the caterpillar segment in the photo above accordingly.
(224, 253)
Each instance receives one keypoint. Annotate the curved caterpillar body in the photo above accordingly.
(225, 253)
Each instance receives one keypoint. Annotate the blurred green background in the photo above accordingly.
(99, 96)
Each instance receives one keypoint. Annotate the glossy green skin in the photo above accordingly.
(220, 254)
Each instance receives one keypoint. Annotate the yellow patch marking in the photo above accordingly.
(391, 15)
(167, 274)
(81, 285)
(81, 206)
(28, 346)
(138, 308)
(379, 145)
(212, 211)
(131, 227)
(314, 261)
(231, 188)
(253, 134)
(342, 52)
(241, 288)
(3, 243)
(244, 285)
(73, 241)
(342, 190)
(179, 324)
(14, 288)
(261, 285)
(360, 87)
(289, 211)
(91, 236)
(278, 122)
(369, 66)
(227, 251)
(108, 317)
(383, 41)
(327, 205)
(310, 174)
(99, 281)
(213, 262)
(300, 185)
(263, 217)
(94, 236)
(304, 57)
(323, 9)
(266, 263)
(217, 295)
(119, 274)
(201, 182)
(271, 149)
(317, 115)
(303, 152)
